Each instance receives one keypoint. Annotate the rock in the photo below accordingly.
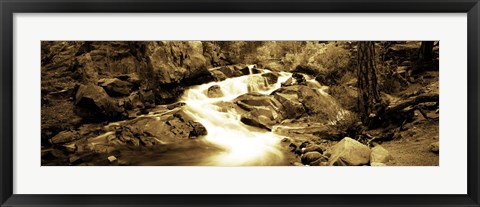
(271, 78)
(377, 164)
(286, 140)
(134, 101)
(255, 118)
(176, 105)
(53, 154)
(93, 102)
(64, 137)
(70, 148)
(250, 100)
(293, 147)
(310, 157)
(176, 61)
(250, 70)
(297, 164)
(111, 159)
(299, 78)
(74, 160)
(115, 86)
(214, 91)
(133, 113)
(288, 82)
(380, 155)
(349, 152)
(147, 141)
(230, 71)
(133, 78)
(198, 130)
(434, 147)
(218, 75)
(148, 98)
(293, 108)
(256, 83)
(313, 148)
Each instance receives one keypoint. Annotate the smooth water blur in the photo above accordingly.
(240, 144)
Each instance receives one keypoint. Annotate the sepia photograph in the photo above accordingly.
(240, 103)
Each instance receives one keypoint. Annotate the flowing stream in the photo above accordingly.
(241, 144)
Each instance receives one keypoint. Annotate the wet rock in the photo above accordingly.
(256, 83)
(288, 82)
(434, 147)
(198, 130)
(380, 155)
(214, 91)
(250, 70)
(348, 152)
(115, 86)
(300, 78)
(64, 137)
(93, 102)
(310, 157)
(271, 78)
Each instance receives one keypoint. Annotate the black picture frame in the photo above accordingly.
(9, 7)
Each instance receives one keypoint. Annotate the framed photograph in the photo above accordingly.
(239, 103)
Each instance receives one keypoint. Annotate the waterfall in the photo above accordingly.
(241, 144)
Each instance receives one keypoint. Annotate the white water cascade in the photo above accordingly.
(241, 144)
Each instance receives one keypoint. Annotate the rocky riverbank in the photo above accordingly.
(184, 103)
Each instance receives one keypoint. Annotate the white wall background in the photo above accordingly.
(449, 177)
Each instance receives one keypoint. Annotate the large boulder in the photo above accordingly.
(348, 152)
(93, 102)
(115, 86)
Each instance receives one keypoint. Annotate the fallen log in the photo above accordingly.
(430, 97)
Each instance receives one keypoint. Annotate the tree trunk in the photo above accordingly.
(426, 51)
(368, 96)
